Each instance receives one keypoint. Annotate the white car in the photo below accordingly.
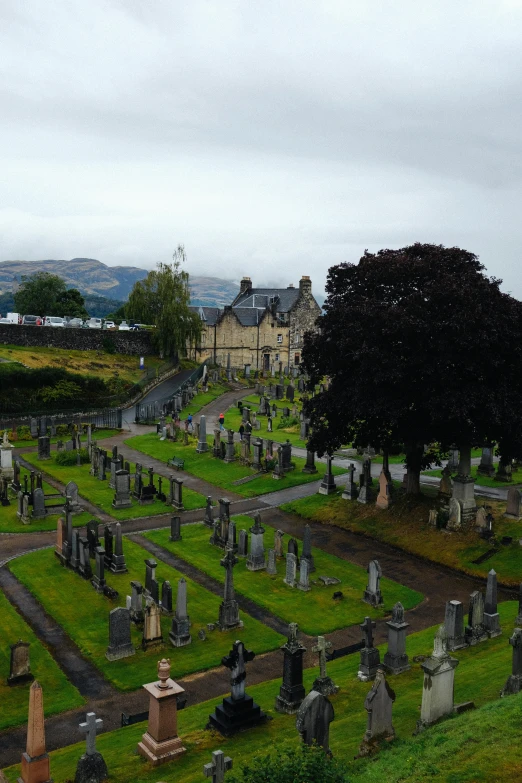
(51, 320)
(94, 323)
(6, 321)
(109, 324)
(124, 326)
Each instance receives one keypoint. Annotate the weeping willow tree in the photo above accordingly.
(162, 299)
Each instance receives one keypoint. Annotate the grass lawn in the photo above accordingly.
(215, 390)
(405, 525)
(104, 365)
(220, 473)
(99, 492)
(60, 695)
(483, 745)
(485, 481)
(233, 421)
(315, 612)
(86, 619)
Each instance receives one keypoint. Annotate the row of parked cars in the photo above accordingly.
(78, 323)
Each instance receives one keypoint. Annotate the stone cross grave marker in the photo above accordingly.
(217, 767)
(89, 728)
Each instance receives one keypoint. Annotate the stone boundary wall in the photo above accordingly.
(134, 343)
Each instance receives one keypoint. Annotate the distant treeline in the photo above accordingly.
(97, 306)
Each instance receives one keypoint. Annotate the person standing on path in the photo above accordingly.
(221, 421)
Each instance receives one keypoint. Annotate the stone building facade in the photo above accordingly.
(263, 327)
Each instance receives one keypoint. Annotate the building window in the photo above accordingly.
(276, 359)
(296, 358)
(296, 338)
(279, 338)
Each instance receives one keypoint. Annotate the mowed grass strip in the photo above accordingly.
(84, 615)
(60, 695)
(99, 492)
(220, 473)
(405, 525)
(315, 611)
(485, 481)
(483, 745)
(204, 398)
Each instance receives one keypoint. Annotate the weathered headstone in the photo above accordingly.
(514, 504)
(271, 567)
(256, 558)
(152, 635)
(118, 565)
(350, 491)
(323, 684)
(304, 580)
(120, 643)
(313, 720)
(202, 446)
(229, 607)
(180, 631)
(217, 768)
(242, 547)
(291, 570)
(44, 447)
(491, 615)
(372, 594)
(166, 597)
(514, 681)
(384, 498)
(378, 704)
(395, 659)
(291, 692)
(98, 580)
(455, 515)
(454, 626)
(475, 630)
(122, 496)
(175, 528)
(438, 687)
(35, 760)
(39, 511)
(370, 656)
(278, 543)
(20, 665)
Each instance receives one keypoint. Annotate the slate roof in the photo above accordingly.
(260, 298)
(209, 315)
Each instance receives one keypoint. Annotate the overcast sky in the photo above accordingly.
(273, 139)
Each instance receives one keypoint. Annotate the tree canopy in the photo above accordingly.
(162, 299)
(47, 294)
(421, 348)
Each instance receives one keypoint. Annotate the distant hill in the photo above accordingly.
(95, 278)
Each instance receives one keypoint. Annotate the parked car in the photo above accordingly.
(6, 321)
(94, 323)
(136, 327)
(14, 318)
(51, 320)
(124, 326)
(76, 322)
(32, 320)
(110, 325)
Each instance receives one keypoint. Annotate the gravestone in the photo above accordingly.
(136, 603)
(20, 665)
(74, 561)
(242, 547)
(35, 760)
(395, 659)
(39, 511)
(229, 607)
(120, 643)
(372, 594)
(217, 768)
(256, 558)
(71, 492)
(445, 485)
(271, 567)
(310, 462)
(166, 597)
(98, 580)
(180, 630)
(152, 636)
(231, 537)
(307, 548)
(122, 496)
(176, 493)
(370, 656)
(85, 569)
(384, 498)
(278, 543)
(91, 767)
(475, 630)
(44, 447)
(230, 452)
(518, 619)
(454, 626)
(514, 504)
(175, 528)
(150, 572)
(378, 704)
(258, 454)
(291, 570)
(209, 519)
(491, 616)
(350, 492)
(304, 580)
(366, 493)
(291, 692)
(463, 488)
(438, 686)
(455, 515)
(313, 720)
(486, 467)
(237, 711)
(108, 540)
(202, 446)
(323, 684)
(481, 520)
(514, 681)
(118, 565)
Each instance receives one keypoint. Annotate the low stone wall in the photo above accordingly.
(134, 343)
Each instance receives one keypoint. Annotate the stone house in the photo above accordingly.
(263, 327)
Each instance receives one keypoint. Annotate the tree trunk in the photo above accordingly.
(414, 454)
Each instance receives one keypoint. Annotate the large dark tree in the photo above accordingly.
(47, 294)
(421, 348)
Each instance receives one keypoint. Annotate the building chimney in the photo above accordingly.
(305, 285)
(245, 285)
